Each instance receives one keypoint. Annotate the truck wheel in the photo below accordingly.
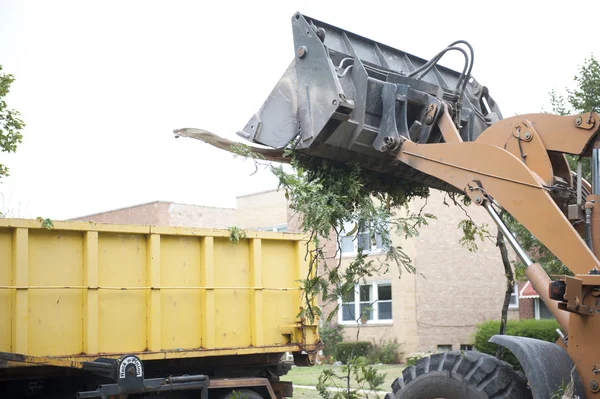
(460, 375)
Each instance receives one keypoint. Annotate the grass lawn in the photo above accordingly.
(310, 376)
(306, 394)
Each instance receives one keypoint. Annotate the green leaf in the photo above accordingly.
(236, 234)
(10, 123)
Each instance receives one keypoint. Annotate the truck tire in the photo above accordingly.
(460, 375)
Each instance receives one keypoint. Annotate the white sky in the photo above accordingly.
(102, 84)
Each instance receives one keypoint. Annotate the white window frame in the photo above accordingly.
(441, 348)
(536, 308)
(516, 294)
(281, 228)
(375, 307)
(373, 251)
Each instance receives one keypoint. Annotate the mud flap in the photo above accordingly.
(546, 365)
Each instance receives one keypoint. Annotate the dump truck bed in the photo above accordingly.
(79, 291)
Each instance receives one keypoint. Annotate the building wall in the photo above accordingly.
(526, 308)
(200, 216)
(162, 213)
(154, 213)
(526, 305)
(455, 289)
(403, 326)
(256, 211)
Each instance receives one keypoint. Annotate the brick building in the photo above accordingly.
(530, 304)
(435, 309)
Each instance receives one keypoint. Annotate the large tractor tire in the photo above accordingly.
(460, 375)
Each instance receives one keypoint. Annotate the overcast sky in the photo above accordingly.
(102, 84)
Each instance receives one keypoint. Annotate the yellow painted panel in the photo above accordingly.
(180, 259)
(121, 314)
(279, 307)
(139, 296)
(232, 306)
(6, 296)
(55, 315)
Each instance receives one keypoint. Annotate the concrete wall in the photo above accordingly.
(456, 289)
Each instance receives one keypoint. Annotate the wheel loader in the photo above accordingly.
(350, 99)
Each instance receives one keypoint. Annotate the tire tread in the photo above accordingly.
(481, 372)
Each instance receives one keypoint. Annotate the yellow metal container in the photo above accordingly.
(80, 290)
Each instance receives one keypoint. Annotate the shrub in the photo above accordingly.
(544, 330)
(345, 350)
(386, 352)
(331, 336)
(412, 359)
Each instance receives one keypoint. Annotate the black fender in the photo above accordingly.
(546, 365)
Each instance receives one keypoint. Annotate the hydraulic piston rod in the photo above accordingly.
(537, 276)
(596, 171)
(508, 235)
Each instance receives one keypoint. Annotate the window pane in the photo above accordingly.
(385, 310)
(348, 312)
(444, 348)
(544, 311)
(366, 313)
(514, 298)
(373, 239)
(378, 241)
(365, 293)
(364, 242)
(349, 297)
(348, 227)
(347, 244)
(384, 292)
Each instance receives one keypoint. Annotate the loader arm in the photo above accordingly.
(350, 99)
(490, 174)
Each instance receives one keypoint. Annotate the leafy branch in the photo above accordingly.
(236, 234)
(10, 123)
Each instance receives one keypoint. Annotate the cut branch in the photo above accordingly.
(269, 154)
(510, 282)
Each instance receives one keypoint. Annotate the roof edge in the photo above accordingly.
(145, 204)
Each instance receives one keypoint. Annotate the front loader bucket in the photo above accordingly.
(349, 99)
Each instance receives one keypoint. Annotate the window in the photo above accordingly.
(282, 228)
(367, 238)
(514, 298)
(541, 310)
(371, 302)
(444, 348)
(466, 347)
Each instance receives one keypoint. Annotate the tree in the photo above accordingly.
(10, 123)
(584, 98)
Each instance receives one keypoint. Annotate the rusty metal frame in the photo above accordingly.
(76, 361)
